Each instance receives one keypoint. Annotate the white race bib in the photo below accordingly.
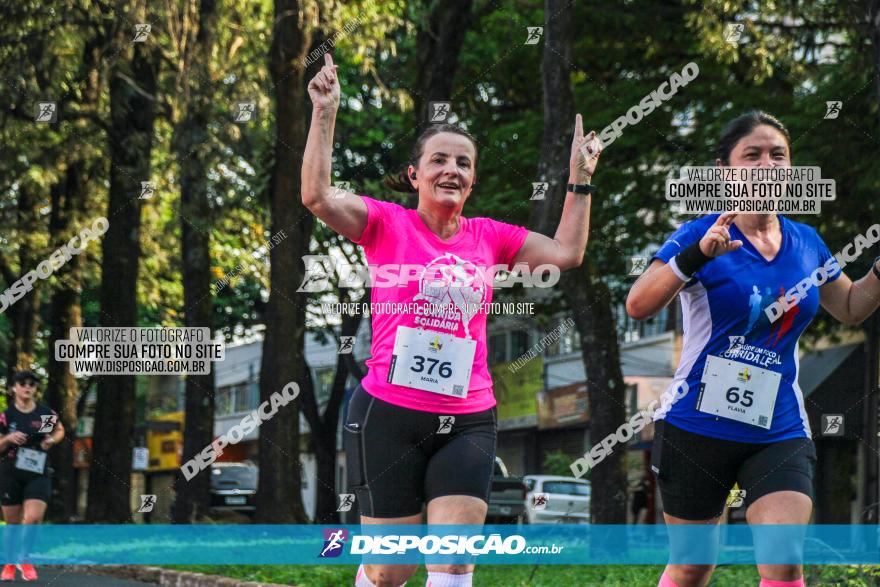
(28, 459)
(432, 361)
(739, 391)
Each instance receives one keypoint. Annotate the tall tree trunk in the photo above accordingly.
(871, 423)
(68, 212)
(438, 46)
(588, 298)
(601, 355)
(872, 405)
(439, 39)
(130, 138)
(193, 497)
(279, 497)
(68, 203)
(324, 427)
(24, 314)
(874, 31)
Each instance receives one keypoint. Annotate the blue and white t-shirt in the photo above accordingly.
(749, 356)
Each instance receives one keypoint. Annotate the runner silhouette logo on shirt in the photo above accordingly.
(456, 283)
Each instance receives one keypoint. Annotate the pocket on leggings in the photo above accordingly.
(657, 448)
(354, 463)
(352, 438)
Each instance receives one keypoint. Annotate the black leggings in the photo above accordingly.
(17, 486)
(696, 473)
(398, 459)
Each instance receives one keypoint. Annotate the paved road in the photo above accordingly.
(57, 578)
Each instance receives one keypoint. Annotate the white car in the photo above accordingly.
(552, 499)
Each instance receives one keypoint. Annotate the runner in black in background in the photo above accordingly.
(28, 430)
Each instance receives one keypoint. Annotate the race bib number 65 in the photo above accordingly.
(739, 391)
(432, 361)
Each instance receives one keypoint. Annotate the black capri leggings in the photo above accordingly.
(398, 459)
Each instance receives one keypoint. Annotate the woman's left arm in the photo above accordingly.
(850, 302)
(566, 249)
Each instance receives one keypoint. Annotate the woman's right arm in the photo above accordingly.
(13, 438)
(660, 283)
(343, 211)
(653, 291)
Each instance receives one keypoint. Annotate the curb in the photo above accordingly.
(166, 577)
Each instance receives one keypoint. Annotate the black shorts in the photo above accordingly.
(16, 486)
(398, 459)
(696, 472)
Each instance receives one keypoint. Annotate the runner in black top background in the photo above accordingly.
(28, 430)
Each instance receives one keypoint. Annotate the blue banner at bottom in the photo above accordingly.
(500, 544)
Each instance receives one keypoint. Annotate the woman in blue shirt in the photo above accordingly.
(748, 425)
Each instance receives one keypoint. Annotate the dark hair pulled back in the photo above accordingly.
(741, 126)
(401, 181)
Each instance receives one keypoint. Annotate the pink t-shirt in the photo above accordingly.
(397, 236)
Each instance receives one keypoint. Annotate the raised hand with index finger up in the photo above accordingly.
(324, 89)
(585, 151)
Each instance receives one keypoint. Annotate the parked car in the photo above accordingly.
(506, 497)
(553, 499)
(234, 487)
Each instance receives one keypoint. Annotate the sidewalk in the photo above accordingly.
(131, 575)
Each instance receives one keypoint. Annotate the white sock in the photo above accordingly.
(361, 579)
(449, 580)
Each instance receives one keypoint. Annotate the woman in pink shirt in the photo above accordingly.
(421, 427)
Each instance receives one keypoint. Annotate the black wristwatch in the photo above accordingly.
(874, 268)
(582, 188)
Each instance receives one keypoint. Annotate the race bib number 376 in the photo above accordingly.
(432, 361)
